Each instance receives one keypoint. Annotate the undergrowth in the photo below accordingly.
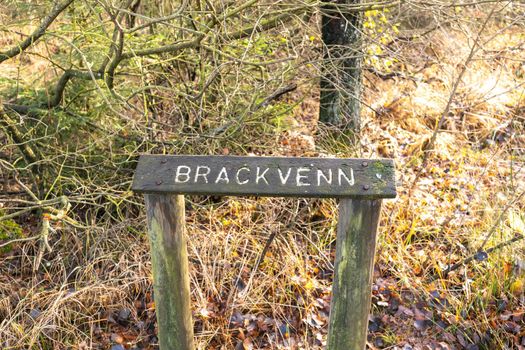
(460, 188)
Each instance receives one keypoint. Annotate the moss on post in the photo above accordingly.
(167, 235)
(354, 261)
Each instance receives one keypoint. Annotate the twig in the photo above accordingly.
(500, 218)
(17, 240)
(29, 192)
(250, 63)
(390, 75)
(153, 21)
(263, 25)
(17, 136)
(267, 245)
(119, 55)
(46, 227)
(17, 213)
(455, 87)
(276, 94)
(441, 120)
(272, 236)
(456, 266)
(65, 78)
(44, 241)
(458, 4)
(337, 8)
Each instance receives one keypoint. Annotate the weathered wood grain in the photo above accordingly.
(266, 176)
(354, 261)
(171, 282)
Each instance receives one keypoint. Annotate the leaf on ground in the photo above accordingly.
(117, 338)
(422, 324)
(517, 287)
(247, 344)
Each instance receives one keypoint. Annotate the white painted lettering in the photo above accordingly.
(182, 171)
(237, 177)
(299, 178)
(260, 175)
(320, 174)
(341, 174)
(204, 174)
(284, 179)
(223, 176)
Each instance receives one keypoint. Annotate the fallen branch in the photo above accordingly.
(46, 227)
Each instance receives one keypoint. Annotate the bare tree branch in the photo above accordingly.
(37, 34)
(18, 138)
(65, 78)
(109, 66)
(263, 25)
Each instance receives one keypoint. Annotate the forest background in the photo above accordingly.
(86, 86)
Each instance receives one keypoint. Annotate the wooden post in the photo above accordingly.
(354, 263)
(171, 281)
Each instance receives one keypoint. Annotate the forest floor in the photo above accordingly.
(460, 194)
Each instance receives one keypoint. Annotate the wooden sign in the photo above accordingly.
(361, 184)
(265, 176)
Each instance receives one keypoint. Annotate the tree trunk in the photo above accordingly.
(341, 75)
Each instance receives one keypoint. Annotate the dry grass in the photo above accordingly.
(89, 276)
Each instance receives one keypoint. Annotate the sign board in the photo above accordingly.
(360, 184)
(265, 176)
